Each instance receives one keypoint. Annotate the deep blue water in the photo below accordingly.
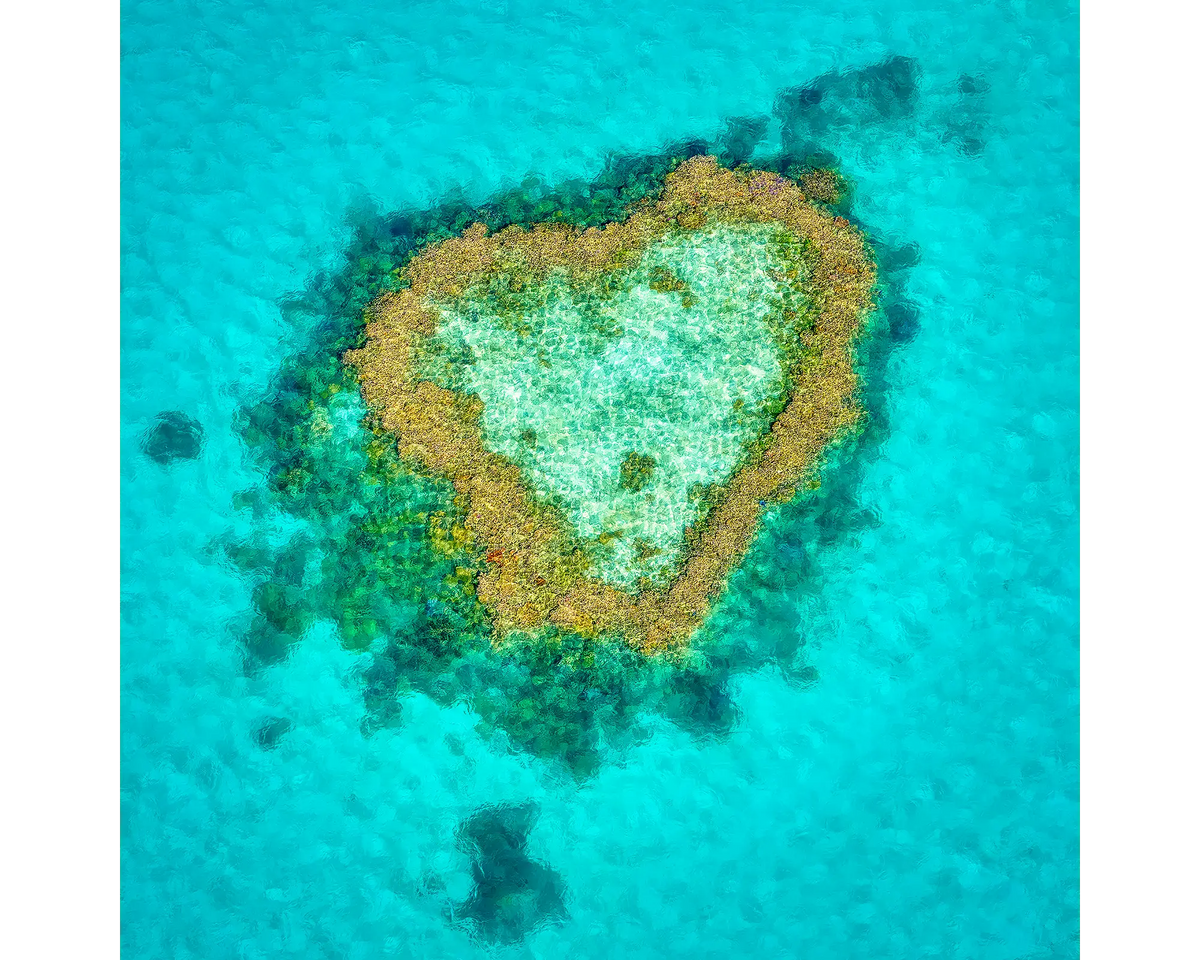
(913, 792)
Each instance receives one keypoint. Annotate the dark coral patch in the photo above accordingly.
(884, 91)
(173, 436)
(513, 894)
(271, 731)
(636, 471)
(904, 321)
(742, 135)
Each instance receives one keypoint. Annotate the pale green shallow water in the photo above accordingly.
(649, 371)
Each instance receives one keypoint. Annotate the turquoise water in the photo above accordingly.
(893, 767)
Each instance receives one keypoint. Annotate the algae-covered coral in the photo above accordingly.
(459, 365)
(636, 471)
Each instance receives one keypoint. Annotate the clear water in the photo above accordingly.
(903, 783)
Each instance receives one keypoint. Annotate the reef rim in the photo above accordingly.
(533, 574)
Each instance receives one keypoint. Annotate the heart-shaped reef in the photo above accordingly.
(616, 406)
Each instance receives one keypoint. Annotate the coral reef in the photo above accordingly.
(824, 185)
(343, 533)
(535, 573)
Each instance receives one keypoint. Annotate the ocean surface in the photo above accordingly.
(886, 763)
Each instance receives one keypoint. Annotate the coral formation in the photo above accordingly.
(535, 572)
(824, 185)
(343, 533)
(636, 471)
